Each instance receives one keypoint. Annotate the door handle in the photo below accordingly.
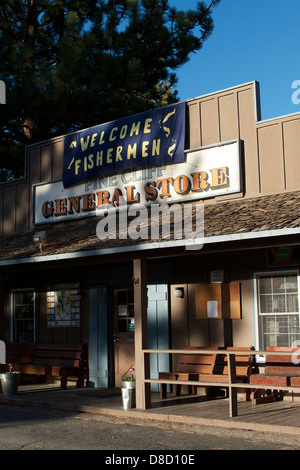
(116, 340)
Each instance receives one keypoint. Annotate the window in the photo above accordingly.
(23, 316)
(125, 311)
(278, 309)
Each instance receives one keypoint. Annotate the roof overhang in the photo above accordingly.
(191, 246)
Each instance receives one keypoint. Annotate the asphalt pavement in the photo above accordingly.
(31, 428)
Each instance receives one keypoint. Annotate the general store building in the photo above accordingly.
(233, 282)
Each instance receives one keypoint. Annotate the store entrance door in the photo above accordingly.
(123, 332)
(124, 328)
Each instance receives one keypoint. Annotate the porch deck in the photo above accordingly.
(190, 410)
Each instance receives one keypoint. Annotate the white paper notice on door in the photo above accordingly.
(212, 309)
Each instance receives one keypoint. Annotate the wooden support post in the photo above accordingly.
(232, 390)
(143, 397)
(4, 321)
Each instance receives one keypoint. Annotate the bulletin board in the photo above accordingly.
(218, 301)
(63, 305)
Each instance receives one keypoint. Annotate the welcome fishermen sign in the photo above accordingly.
(207, 172)
(153, 138)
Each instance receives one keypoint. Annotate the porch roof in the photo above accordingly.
(227, 221)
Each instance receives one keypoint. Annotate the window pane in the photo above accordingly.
(292, 303)
(279, 330)
(23, 316)
(268, 329)
(130, 296)
(122, 297)
(291, 284)
(266, 304)
(265, 285)
(278, 305)
(278, 284)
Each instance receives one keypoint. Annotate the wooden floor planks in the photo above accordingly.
(283, 413)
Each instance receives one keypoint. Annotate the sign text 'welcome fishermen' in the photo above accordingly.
(153, 138)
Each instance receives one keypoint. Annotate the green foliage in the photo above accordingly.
(72, 64)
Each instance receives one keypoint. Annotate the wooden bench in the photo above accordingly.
(280, 371)
(19, 353)
(57, 360)
(206, 368)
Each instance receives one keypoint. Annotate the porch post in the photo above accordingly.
(232, 390)
(143, 399)
(6, 332)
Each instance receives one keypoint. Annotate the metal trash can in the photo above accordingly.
(128, 395)
(9, 383)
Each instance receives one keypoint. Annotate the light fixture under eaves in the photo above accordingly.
(179, 292)
(40, 238)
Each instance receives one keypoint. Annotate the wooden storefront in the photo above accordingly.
(128, 294)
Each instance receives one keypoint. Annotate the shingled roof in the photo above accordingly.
(222, 219)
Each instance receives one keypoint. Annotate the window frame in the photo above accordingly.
(12, 312)
(271, 273)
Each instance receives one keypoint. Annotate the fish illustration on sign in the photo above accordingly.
(167, 131)
(171, 150)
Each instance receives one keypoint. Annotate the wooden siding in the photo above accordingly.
(186, 329)
(270, 157)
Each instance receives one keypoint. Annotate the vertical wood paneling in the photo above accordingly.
(58, 155)
(158, 329)
(44, 334)
(241, 270)
(59, 335)
(9, 213)
(229, 125)
(46, 162)
(73, 334)
(198, 329)
(291, 139)
(1, 209)
(22, 215)
(34, 175)
(179, 319)
(248, 136)
(3, 326)
(270, 146)
(210, 122)
(193, 126)
(98, 338)
(34, 165)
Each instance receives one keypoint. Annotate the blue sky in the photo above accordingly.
(252, 40)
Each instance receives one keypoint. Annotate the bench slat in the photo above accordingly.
(19, 352)
(207, 368)
(280, 371)
(59, 347)
(56, 362)
(195, 368)
(196, 359)
(295, 381)
(58, 354)
(49, 359)
(268, 380)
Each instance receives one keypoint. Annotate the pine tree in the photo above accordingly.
(72, 64)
